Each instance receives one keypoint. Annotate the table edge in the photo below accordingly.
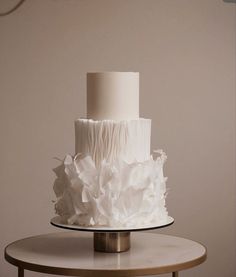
(103, 272)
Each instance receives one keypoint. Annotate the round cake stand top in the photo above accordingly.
(56, 221)
(71, 254)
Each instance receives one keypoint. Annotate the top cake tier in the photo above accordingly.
(113, 95)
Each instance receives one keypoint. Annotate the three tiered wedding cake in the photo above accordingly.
(112, 180)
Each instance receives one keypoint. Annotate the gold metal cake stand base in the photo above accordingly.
(111, 242)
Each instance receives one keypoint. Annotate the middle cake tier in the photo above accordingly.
(108, 140)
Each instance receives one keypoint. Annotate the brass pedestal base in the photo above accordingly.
(111, 242)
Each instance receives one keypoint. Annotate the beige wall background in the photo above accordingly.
(185, 51)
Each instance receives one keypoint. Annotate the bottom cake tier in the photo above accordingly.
(117, 194)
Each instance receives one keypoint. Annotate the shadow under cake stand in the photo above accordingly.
(108, 239)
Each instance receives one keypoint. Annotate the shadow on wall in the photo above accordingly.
(230, 1)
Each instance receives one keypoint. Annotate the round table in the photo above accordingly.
(71, 253)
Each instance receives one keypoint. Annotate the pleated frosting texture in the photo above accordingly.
(109, 139)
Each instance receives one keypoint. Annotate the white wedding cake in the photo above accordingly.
(112, 180)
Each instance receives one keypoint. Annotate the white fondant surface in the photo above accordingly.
(113, 95)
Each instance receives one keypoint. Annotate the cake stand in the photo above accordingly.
(108, 239)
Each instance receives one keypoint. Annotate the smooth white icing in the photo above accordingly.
(113, 95)
(109, 139)
(116, 194)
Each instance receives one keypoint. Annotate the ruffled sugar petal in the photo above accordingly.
(64, 205)
(59, 170)
(84, 163)
(115, 194)
(59, 187)
(61, 181)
